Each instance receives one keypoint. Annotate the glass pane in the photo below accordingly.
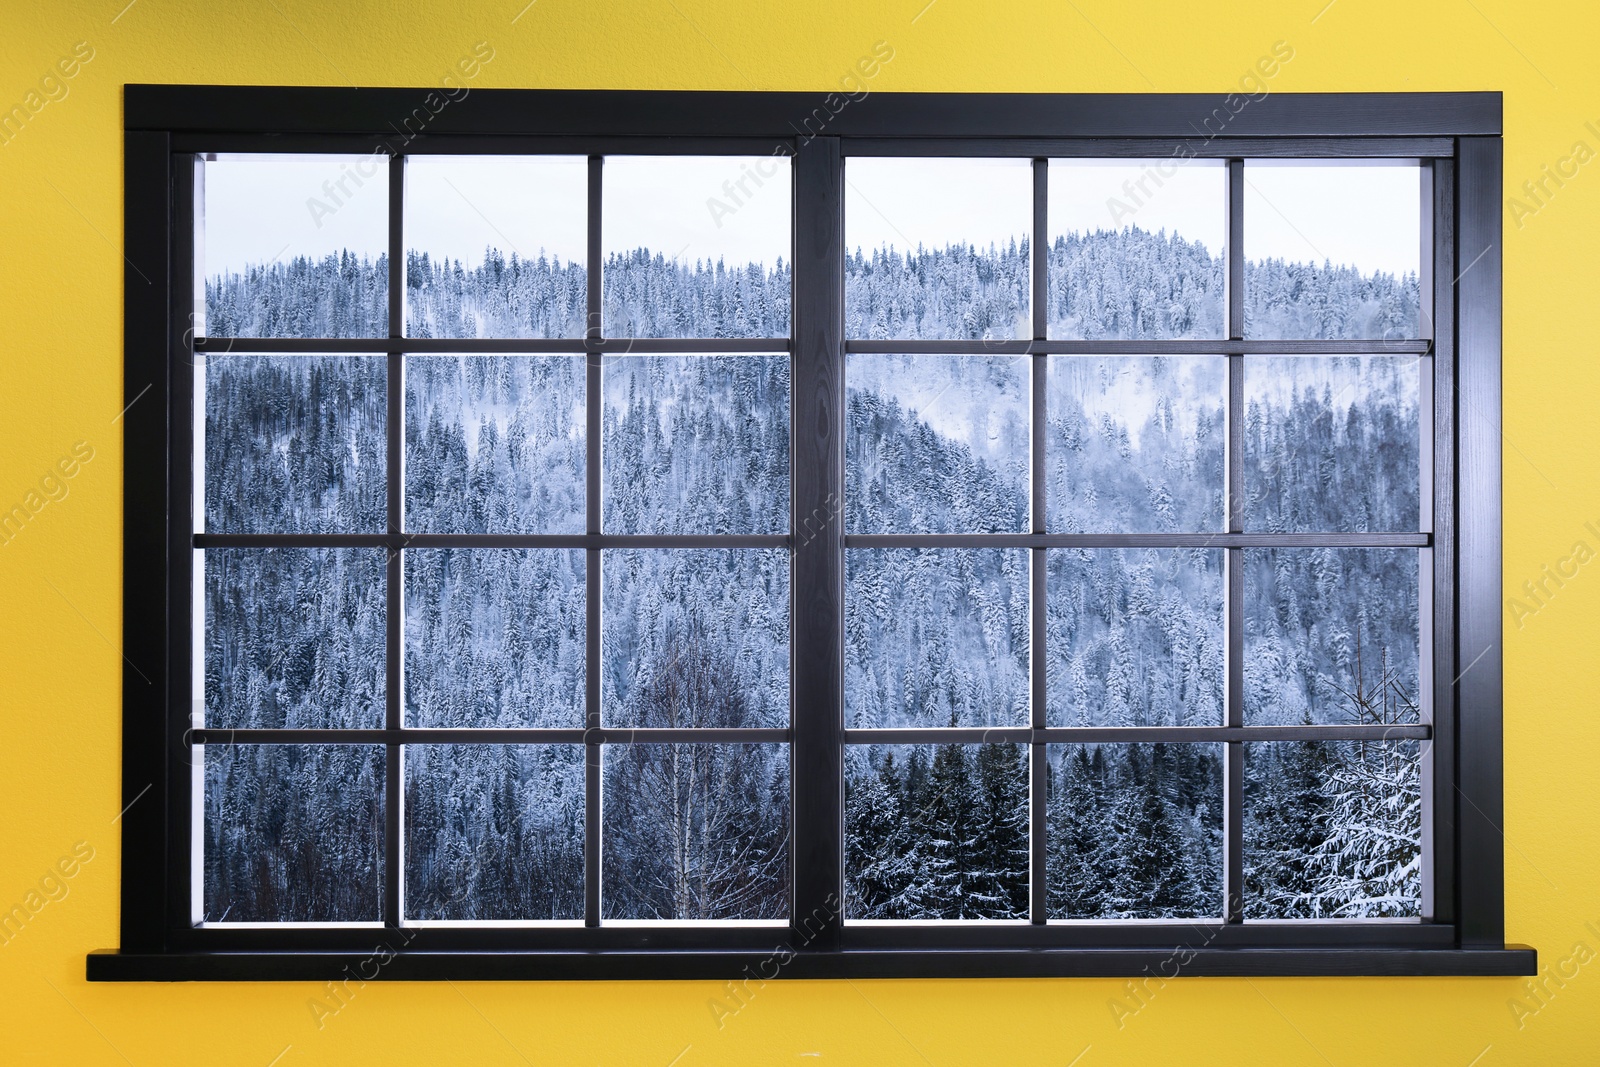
(1135, 444)
(697, 246)
(294, 246)
(696, 444)
(1137, 637)
(294, 444)
(293, 833)
(936, 637)
(494, 832)
(1330, 636)
(495, 444)
(938, 248)
(937, 444)
(1135, 831)
(695, 638)
(936, 832)
(495, 637)
(1137, 248)
(496, 246)
(1332, 249)
(1331, 444)
(696, 832)
(1332, 829)
(294, 638)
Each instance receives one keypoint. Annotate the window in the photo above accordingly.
(622, 537)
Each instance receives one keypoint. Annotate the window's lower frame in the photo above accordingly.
(1465, 935)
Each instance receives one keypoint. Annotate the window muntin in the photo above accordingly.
(1237, 370)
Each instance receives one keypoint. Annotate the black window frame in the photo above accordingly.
(1457, 136)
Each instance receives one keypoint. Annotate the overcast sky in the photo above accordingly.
(1088, 195)
(904, 202)
(458, 206)
(259, 209)
(1361, 213)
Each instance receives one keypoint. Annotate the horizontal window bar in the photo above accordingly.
(1202, 145)
(711, 964)
(610, 346)
(1094, 735)
(402, 540)
(211, 112)
(1142, 540)
(490, 736)
(912, 346)
(388, 142)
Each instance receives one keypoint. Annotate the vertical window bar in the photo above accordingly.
(1479, 680)
(1233, 283)
(591, 570)
(1038, 754)
(817, 569)
(1425, 565)
(182, 889)
(1438, 766)
(394, 771)
(1233, 558)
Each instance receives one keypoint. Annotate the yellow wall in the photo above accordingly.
(61, 383)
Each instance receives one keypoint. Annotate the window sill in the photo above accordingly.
(113, 966)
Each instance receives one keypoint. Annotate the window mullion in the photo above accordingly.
(817, 570)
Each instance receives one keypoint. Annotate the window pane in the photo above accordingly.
(1137, 248)
(495, 637)
(494, 832)
(936, 637)
(294, 246)
(294, 638)
(696, 444)
(1135, 444)
(936, 832)
(938, 248)
(1331, 444)
(1331, 636)
(294, 444)
(1332, 250)
(1135, 831)
(1137, 637)
(937, 444)
(495, 444)
(697, 246)
(496, 246)
(695, 638)
(293, 833)
(1332, 830)
(696, 832)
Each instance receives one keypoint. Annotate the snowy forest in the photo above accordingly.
(699, 638)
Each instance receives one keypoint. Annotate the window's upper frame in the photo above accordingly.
(1457, 135)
